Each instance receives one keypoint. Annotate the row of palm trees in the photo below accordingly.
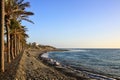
(12, 12)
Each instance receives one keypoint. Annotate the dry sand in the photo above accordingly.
(31, 68)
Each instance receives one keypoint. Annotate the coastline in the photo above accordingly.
(32, 67)
(77, 73)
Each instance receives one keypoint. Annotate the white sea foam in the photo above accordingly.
(78, 50)
(45, 55)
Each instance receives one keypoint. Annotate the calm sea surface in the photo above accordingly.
(104, 61)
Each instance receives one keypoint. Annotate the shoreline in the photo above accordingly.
(68, 71)
(78, 73)
(31, 68)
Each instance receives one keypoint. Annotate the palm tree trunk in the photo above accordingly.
(11, 47)
(8, 42)
(19, 44)
(1, 35)
(22, 46)
(15, 44)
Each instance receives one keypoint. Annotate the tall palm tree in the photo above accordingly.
(2, 35)
(17, 33)
(15, 26)
(21, 36)
(15, 9)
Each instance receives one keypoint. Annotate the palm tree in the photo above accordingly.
(15, 9)
(22, 37)
(15, 29)
(14, 24)
(17, 33)
(2, 35)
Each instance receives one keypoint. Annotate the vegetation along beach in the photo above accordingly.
(59, 40)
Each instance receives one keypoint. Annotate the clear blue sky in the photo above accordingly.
(75, 23)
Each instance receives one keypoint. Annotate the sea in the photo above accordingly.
(100, 61)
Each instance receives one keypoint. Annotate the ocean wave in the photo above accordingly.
(78, 50)
(45, 55)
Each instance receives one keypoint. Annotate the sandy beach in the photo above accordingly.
(31, 68)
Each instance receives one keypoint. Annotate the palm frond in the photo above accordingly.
(27, 20)
(24, 5)
(19, 1)
(22, 12)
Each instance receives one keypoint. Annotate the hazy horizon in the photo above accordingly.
(75, 23)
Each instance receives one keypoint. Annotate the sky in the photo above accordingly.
(75, 23)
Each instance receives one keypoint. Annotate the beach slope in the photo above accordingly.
(31, 68)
